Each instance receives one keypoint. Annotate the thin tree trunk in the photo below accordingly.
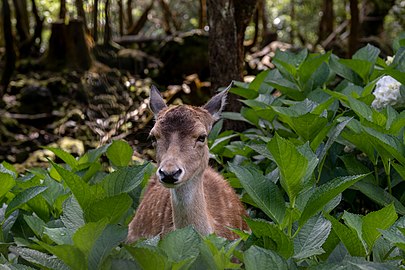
(354, 27)
(136, 28)
(107, 27)
(202, 22)
(95, 21)
(121, 17)
(62, 10)
(130, 19)
(10, 49)
(81, 14)
(326, 21)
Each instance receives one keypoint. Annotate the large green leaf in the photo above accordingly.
(311, 64)
(260, 258)
(70, 255)
(120, 153)
(368, 53)
(288, 88)
(309, 240)
(291, 163)
(361, 67)
(111, 236)
(63, 155)
(263, 191)
(111, 208)
(394, 234)
(149, 257)
(86, 236)
(280, 242)
(181, 245)
(325, 193)
(39, 258)
(23, 197)
(7, 182)
(73, 216)
(378, 220)
(353, 263)
(360, 108)
(84, 193)
(125, 179)
(348, 237)
(344, 71)
(387, 145)
(61, 235)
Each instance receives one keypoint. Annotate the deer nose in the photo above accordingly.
(169, 177)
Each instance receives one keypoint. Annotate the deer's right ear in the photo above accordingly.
(156, 102)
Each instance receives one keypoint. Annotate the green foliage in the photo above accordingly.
(321, 170)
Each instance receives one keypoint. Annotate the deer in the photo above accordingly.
(186, 191)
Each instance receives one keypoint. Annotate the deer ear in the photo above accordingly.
(217, 103)
(156, 102)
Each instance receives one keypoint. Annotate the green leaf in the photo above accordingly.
(325, 193)
(93, 155)
(291, 163)
(344, 71)
(361, 109)
(361, 67)
(7, 182)
(73, 217)
(39, 258)
(260, 258)
(368, 53)
(110, 237)
(120, 153)
(110, 208)
(85, 237)
(387, 145)
(311, 237)
(348, 237)
(125, 179)
(149, 257)
(182, 244)
(381, 219)
(83, 192)
(244, 92)
(60, 236)
(353, 263)
(63, 155)
(24, 197)
(36, 224)
(283, 244)
(70, 255)
(288, 88)
(263, 191)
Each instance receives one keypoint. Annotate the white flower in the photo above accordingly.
(389, 60)
(387, 93)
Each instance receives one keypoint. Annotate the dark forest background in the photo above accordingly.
(75, 74)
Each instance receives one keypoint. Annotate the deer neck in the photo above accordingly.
(190, 207)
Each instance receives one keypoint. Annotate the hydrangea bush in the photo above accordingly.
(387, 93)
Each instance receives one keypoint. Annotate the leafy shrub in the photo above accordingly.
(321, 170)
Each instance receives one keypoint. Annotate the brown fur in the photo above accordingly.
(213, 205)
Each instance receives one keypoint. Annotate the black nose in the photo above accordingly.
(169, 177)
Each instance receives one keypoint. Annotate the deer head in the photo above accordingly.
(180, 134)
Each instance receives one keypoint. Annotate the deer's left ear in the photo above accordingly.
(217, 103)
(156, 102)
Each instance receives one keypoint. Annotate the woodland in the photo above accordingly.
(312, 137)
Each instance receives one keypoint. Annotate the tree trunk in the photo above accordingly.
(10, 49)
(81, 14)
(62, 10)
(140, 23)
(107, 26)
(121, 17)
(67, 47)
(227, 20)
(354, 28)
(95, 21)
(39, 22)
(130, 19)
(326, 22)
(23, 27)
(202, 21)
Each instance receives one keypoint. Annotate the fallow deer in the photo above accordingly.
(185, 190)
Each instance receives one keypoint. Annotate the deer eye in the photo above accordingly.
(201, 138)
